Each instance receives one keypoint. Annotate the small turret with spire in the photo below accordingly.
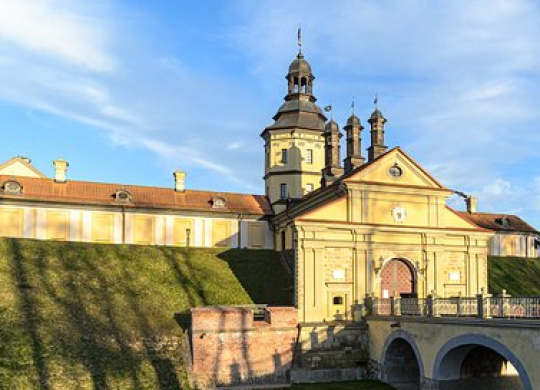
(377, 121)
(332, 170)
(353, 128)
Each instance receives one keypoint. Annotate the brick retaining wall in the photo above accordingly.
(230, 348)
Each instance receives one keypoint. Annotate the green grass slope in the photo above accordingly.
(84, 316)
(518, 276)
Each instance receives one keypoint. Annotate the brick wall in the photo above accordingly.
(230, 347)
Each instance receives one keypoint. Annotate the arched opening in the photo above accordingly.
(398, 277)
(480, 364)
(400, 367)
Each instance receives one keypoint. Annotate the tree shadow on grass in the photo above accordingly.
(29, 309)
(81, 310)
(262, 275)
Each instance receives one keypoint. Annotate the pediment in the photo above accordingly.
(20, 167)
(397, 168)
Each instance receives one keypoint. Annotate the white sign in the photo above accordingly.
(338, 274)
(454, 276)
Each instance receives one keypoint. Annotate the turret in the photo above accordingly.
(353, 130)
(332, 170)
(377, 148)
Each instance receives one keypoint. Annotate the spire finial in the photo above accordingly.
(352, 105)
(299, 39)
(376, 101)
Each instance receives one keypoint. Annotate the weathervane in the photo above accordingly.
(299, 39)
(352, 105)
(376, 100)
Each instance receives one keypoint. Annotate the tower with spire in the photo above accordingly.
(294, 143)
(353, 130)
(332, 169)
(377, 121)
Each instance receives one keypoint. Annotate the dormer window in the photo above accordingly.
(504, 222)
(218, 203)
(122, 196)
(12, 187)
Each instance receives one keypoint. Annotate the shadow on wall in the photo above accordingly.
(262, 275)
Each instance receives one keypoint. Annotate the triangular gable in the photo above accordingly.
(19, 166)
(378, 171)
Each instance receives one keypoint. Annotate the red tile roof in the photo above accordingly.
(81, 192)
(498, 222)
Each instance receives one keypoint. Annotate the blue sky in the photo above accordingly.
(129, 91)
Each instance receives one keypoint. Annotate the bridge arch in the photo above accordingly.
(448, 364)
(401, 361)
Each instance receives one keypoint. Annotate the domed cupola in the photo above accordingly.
(331, 127)
(353, 121)
(300, 77)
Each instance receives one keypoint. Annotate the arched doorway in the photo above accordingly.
(398, 277)
(400, 366)
(478, 362)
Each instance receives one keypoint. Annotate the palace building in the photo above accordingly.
(367, 225)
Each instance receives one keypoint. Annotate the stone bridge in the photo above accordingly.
(429, 353)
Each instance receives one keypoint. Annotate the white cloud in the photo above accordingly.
(499, 187)
(54, 28)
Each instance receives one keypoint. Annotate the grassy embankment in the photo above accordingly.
(517, 275)
(83, 316)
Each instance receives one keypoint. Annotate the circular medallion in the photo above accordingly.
(395, 171)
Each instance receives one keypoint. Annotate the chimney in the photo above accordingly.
(179, 181)
(472, 203)
(60, 167)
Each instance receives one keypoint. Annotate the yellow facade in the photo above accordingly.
(182, 231)
(144, 230)
(102, 228)
(57, 225)
(302, 170)
(344, 241)
(221, 233)
(11, 222)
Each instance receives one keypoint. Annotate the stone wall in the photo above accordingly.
(230, 347)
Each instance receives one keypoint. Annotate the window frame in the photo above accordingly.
(309, 156)
(283, 191)
(284, 156)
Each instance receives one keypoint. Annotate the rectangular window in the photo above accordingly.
(256, 235)
(182, 232)
(57, 225)
(309, 156)
(221, 233)
(11, 222)
(284, 191)
(143, 230)
(309, 188)
(102, 228)
(284, 156)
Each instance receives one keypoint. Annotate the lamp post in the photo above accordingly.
(188, 234)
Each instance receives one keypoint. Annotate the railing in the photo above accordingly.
(455, 307)
(515, 307)
(481, 306)
(382, 306)
(413, 306)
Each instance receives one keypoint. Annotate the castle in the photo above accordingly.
(378, 225)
